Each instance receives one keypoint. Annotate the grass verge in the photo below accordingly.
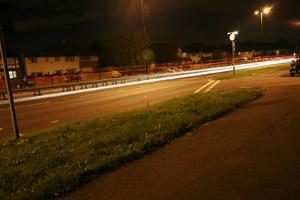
(252, 72)
(55, 162)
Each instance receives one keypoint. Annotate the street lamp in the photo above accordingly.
(143, 16)
(145, 34)
(232, 36)
(262, 12)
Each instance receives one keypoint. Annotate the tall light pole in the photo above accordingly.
(145, 33)
(8, 85)
(232, 36)
(262, 12)
(143, 16)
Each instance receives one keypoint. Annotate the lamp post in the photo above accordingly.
(145, 33)
(8, 85)
(232, 36)
(143, 16)
(262, 12)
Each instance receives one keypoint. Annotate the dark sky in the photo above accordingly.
(41, 22)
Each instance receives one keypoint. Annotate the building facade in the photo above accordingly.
(58, 65)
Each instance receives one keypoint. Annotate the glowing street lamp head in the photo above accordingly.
(267, 10)
(232, 35)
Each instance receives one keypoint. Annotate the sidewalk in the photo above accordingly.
(253, 153)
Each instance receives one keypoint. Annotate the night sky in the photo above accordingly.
(38, 23)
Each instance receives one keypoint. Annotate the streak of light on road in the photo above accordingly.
(179, 75)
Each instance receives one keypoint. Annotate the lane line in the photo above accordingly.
(204, 86)
(54, 122)
(212, 86)
(30, 105)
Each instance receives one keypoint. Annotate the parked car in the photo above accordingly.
(116, 74)
(295, 68)
(174, 69)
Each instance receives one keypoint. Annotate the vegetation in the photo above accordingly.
(54, 162)
(165, 52)
(252, 72)
(124, 49)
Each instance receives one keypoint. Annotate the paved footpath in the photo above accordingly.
(252, 153)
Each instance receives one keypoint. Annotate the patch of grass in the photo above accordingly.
(252, 72)
(55, 162)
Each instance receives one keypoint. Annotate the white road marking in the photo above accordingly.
(179, 75)
(212, 86)
(204, 86)
(26, 106)
(32, 105)
(54, 122)
(89, 95)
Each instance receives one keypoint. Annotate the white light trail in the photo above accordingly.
(176, 75)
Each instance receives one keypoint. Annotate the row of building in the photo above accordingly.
(37, 66)
(45, 65)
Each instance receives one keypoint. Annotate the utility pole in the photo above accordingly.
(232, 36)
(143, 16)
(233, 56)
(145, 33)
(8, 85)
(262, 28)
(261, 13)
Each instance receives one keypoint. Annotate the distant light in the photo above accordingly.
(267, 10)
(232, 35)
(295, 23)
(256, 12)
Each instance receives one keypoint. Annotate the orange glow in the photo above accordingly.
(267, 10)
(296, 23)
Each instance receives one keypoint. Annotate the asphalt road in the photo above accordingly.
(41, 114)
(252, 153)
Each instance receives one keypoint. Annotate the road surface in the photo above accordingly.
(252, 153)
(42, 114)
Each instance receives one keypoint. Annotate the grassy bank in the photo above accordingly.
(253, 72)
(54, 162)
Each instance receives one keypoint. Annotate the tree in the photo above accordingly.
(148, 56)
(283, 44)
(123, 49)
(197, 47)
(165, 52)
